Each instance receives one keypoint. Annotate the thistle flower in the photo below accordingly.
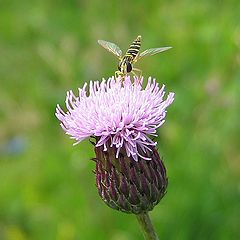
(122, 116)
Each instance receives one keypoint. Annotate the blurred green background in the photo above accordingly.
(47, 189)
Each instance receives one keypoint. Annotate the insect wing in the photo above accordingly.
(111, 47)
(153, 51)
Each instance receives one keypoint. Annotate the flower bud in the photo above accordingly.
(127, 185)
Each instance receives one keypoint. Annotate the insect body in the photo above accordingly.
(125, 65)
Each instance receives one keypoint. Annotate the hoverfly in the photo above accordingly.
(125, 64)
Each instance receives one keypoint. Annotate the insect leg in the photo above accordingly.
(119, 74)
(134, 74)
(136, 78)
(138, 70)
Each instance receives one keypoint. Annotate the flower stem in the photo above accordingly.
(146, 226)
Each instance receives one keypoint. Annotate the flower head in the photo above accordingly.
(120, 114)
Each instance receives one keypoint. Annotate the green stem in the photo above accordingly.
(146, 226)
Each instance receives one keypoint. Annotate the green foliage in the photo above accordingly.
(47, 189)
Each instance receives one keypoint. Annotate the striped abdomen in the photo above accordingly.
(134, 48)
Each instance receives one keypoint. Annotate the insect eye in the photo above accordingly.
(129, 67)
